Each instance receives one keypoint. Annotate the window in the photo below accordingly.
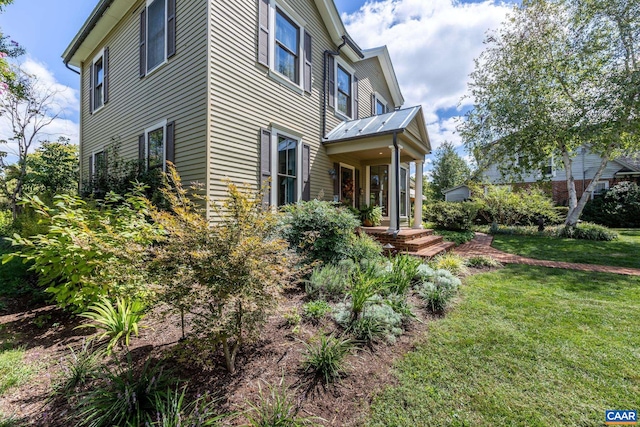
(600, 188)
(287, 170)
(380, 105)
(404, 177)
(157, 34)
(99, 164)
(549, 170)
(155, 143)
(284, 46)
(344, 87)
(98, 82)
(380, 108)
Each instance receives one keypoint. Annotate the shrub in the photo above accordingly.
(316, 310)
(276, 408)
(233, 272)
(371, 216)
(618, 207)
(504, 206)
(523, 230)
(123, 396)
(439, 290)
(482, 261)
(452, 215)
(78, 368)
(364, 247)
(6, 223)
(451, 262)
(378, 321)
(329, 282)
(587, 231)
(457, 237)
(326, 358)
(319, 230)
(89, 252)
(117, 323)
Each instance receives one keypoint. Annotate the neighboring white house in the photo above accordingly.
(457, 194)
(584, 167)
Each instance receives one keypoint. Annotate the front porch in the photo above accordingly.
(416, 242)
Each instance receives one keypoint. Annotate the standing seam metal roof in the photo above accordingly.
(394, 121)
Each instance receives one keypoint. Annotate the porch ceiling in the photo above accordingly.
(371, 137)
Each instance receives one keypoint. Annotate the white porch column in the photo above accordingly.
(417, 214)
(394, 207)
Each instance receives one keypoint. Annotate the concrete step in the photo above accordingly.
(424, 242)
(434, 250)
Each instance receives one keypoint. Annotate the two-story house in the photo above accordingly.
(251, 90)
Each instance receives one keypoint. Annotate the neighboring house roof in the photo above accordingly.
(449, 190)
(631, 163)
(382, 53)
(384, 124)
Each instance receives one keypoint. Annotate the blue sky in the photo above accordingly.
(432, 44)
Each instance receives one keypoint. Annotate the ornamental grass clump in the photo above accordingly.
(328, 282)
(451, 262)
(325, 358)
(277, 408)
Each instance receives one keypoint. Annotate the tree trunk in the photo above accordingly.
(574, 214)
(228, 358)
(571, 182)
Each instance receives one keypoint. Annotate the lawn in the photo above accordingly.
(619, 253)
(526, 346)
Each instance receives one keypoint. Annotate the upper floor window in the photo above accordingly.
(157, 34)
(284, 46)
(344, 98)
(380, 105)
(99, 80)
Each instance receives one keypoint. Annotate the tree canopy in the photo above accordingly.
(557, 76)
(449, 170)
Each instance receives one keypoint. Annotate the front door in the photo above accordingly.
(347, 185)
(379, 188)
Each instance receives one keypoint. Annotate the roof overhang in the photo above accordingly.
(336, 28)
(382, 53)
(105, 16)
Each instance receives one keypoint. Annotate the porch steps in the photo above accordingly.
(420, 243)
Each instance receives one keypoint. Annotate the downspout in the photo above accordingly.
(66, 64)
(396, 162)
(328, 53)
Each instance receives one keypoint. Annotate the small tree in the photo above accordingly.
(52, 169)
(29, 108)
(449, 170)
(226, 276)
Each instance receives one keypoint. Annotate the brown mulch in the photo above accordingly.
(276, 357)
(481, 245)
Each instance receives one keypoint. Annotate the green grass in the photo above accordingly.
(13, 371)
(527, 346)
(622, 252)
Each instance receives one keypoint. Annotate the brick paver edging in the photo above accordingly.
(481, 245)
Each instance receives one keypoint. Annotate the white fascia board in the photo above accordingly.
(382, 53)
(335, 26)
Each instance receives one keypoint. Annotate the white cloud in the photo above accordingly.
(65, 103)
(432, 45)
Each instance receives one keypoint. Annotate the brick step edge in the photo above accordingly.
(434, 250)
(424, 242)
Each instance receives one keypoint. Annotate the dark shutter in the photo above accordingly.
(141, 150)
(263, 32)
(91, 89)
(171, 28)
(308, 60)
(357, 188)
(306, 172)
(374, 106)
(171, 142)
(356, 101)
(336, 180)
(91, 167)
(265, 165)
(105, 65)
(143, 42)
(105, 166)
(332, 81)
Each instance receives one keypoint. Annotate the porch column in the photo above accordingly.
(417, 214)
(394, 190)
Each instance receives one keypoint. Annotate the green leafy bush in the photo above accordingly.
(316, 310)
(89, 252)
(329, 282)
(619, 207)
(523, 230)
(452, 215)
(6, 223)
(438, 290)
(504, 206)
(117, 323)
(482, 261)
(319, 230)
(587, 231)
(371, 216)
(458, 237)
(326, 357)
(378, 321)
(364, 247)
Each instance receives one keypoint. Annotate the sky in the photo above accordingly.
(432, 44)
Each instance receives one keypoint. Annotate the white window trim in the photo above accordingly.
(377, 97)
(300, 22)
(147, 131)
(93, 161)
(606, 187)
(99, 56)
(407, 198)
(146, 41)
(349, 69)
(277, 131)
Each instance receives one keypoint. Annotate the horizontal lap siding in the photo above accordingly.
(371, 80)
(245, 99)
(175, 92)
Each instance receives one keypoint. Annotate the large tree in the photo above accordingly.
(559, 75)
(449, 170)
